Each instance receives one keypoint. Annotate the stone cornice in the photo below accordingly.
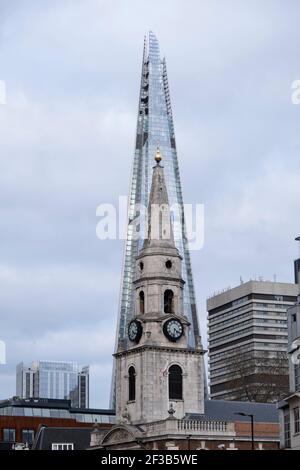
(155, 277)
(144, 347)
(159, 318)
(169, 252)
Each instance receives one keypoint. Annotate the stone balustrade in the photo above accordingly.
(191, 427)
(196, 425)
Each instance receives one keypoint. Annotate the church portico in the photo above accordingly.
(169, 433)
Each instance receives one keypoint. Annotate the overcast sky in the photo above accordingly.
(72, 72)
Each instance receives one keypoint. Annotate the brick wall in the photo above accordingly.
(27, 422)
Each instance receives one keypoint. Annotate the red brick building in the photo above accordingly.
(20, 418)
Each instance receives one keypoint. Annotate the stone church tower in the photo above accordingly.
(158, 374)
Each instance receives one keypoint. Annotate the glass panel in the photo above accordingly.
(18, 411)
(9, 435)
(45, 412)
(27, 436)
(79, 417)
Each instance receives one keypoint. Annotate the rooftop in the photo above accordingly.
(79, 437)
(219, 410)
(225, 410)
(53, 408)
(257, 287)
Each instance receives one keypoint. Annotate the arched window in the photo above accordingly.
(131, 384)
(168, 301)
(142, 302)
(175, 383)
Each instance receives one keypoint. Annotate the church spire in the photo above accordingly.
(160, 231)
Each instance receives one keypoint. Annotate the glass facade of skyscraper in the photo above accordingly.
(54, 379)
(57, 379)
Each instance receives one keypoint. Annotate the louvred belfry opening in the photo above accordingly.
(142, 302)
(168, 301)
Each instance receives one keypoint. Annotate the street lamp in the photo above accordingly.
(298, 240)
(297, 269)
(189, 441)
(252, 426)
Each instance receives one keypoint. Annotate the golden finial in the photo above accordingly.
(158, 156)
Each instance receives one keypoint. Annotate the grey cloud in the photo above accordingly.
(72, 71)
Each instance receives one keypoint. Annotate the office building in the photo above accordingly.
(247, 329)
(54, 379)
(290, 406)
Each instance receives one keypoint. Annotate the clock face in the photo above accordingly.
(135, 330)
(173, 329)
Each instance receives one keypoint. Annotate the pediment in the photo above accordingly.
(122, 433)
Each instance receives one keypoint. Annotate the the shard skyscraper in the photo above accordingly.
(154, 126)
